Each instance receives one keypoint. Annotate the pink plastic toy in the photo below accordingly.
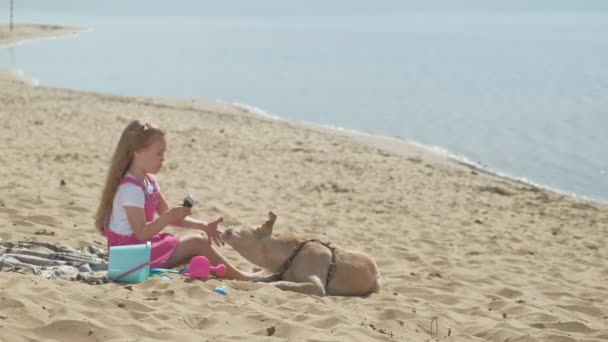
(200, 268)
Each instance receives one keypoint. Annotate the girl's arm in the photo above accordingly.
(210, 228)
(188, 223)
(146, 230)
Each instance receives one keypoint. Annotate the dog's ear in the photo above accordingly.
(264, 231)
(266, 228)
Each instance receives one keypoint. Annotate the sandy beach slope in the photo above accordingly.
(465, 255)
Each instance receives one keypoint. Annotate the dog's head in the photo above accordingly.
(254, 245)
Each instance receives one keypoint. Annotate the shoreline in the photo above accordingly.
(32, 32)
(406, 147)
(481, 256)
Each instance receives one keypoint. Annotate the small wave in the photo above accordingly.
(526, 181)
(20, 74)
(255, 110)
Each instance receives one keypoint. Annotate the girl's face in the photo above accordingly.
(151, 158)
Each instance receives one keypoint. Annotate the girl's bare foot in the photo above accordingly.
(261, 276)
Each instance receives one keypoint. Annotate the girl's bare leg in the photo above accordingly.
(192, 246)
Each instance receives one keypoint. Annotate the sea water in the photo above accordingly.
(518, 87)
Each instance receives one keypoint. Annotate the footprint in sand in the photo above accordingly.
(572, 327)
(8, 211)
(65, 329)
(395, 314)
(509, 293)
(202, 323)
(43, 220)
(79, 209)
(326, 322)
(587, 310)
(557, 294)
(539, 318)
(561, 338)
(11, 304)
(22, 223)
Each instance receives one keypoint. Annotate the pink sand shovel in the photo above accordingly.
(201, 268)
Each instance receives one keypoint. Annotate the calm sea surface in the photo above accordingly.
(520, 88)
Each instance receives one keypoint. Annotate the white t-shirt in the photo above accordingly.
(128, 195)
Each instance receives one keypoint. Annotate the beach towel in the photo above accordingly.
(54, 262)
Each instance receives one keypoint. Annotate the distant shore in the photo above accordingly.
(27, 32)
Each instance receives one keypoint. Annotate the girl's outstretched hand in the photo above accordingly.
(213, 233)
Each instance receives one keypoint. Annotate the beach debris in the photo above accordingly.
(434, 275)
(495, 190)
(221, 290)
(478, 221)
(592, 246)
(121, 304)
(383, 153)
(436, 330)
(45, 232)
(386, 332)
(334, 187)
(91, 278)
(271, 330)
(62, 182)
(504, 315)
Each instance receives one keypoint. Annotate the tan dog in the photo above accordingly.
(305, 266)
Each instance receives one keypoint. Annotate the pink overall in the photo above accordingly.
(163, 244)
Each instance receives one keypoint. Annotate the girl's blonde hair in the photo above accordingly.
(136, 136)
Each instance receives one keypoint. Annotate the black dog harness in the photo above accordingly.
(332, 265)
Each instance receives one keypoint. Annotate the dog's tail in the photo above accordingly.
(376, 285)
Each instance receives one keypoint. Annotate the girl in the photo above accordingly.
(131, 196)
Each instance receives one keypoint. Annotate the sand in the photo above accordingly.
(464, 255)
